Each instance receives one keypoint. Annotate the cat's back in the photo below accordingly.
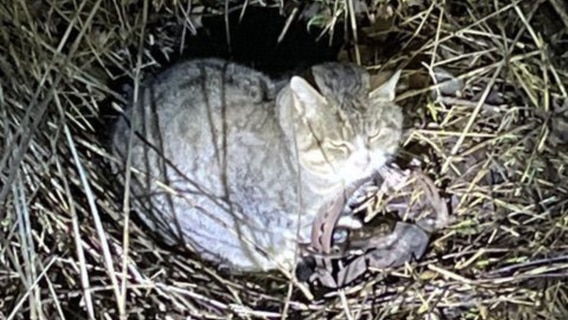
(194, 99)
(207, 130)
(203, 84)
(211, 80)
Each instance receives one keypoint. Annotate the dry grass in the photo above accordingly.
(499, 150)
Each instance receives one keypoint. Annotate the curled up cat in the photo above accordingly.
(223, 162)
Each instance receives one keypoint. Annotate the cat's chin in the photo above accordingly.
(357, 170)
(351, 175)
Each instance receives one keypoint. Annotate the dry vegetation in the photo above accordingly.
(498, 149)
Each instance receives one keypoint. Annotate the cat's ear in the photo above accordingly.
(307, 99)
(386, 92)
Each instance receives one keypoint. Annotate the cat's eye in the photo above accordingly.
(373, 134)
(340, 146)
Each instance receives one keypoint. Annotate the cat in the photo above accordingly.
(226, 161)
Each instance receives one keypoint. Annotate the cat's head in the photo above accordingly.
(343, 129)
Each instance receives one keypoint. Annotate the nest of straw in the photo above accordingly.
(496, 146)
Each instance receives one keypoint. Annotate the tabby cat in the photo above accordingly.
(225, 163)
